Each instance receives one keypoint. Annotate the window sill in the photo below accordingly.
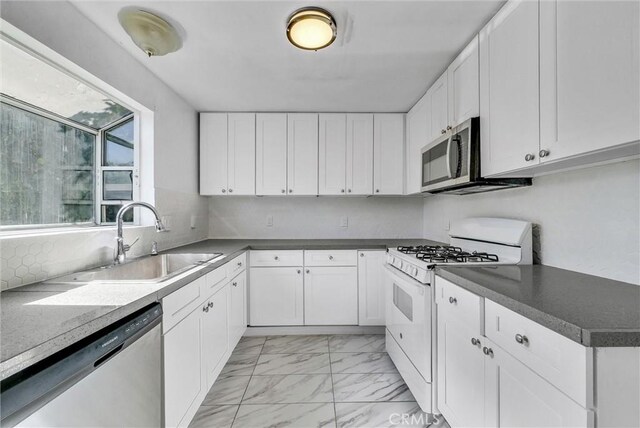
(63, 230)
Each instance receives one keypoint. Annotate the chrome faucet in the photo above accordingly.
(121, 247)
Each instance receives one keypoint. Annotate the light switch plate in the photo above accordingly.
(193, 222)
(269, 221)
(344, 221)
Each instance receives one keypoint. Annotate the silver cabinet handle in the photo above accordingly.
(330, 257)
(475, 342)
(205, 308)
(230, 190)
(448, 127)
(284, 191)
(224, 190)
(487, 351)
(453, 300)
(307, 271)
(442, 131)
(521, 339)
(361, 254)
(290, 190)
(400, 335)
(235, 284)
(349, 190)
(529, 157)
(377, 190)
(210, 304)
(341, 190)
(543, 153)
(239, 263)
(299, 271)
(276, 258)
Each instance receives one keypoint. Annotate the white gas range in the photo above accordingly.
(410, 309)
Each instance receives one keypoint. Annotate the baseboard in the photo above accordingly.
(313, 329)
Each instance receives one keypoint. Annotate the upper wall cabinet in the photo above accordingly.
(509, 91)
(360, 154)
(332, 154)
(271, 153)
(463, 81)
(589, 76)
(227, 153)
(438, 98)
(418, 134)
(388, 154)
(302, 149)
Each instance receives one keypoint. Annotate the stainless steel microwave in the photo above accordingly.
(451, 164)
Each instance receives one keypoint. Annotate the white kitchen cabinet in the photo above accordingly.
(514, 396)
(276, 296)
(331, 295)
(213, 153)
(461, 375)
(371, 300)
(509, 89)
(215, 335)
(418, 136)
(302, 153)
(271, 153)
(589, 76)
(182, 370)
(438, 96)
(388, 154)
(463, 85)
(359, 154)
(332, 154)
(237, 309)
(227, 154)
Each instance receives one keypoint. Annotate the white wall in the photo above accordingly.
(61, 27)
(588, 220)
(311, 217)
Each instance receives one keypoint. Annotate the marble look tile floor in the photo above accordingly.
(310, 382)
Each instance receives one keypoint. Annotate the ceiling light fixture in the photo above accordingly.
(311, 28)
(151, 33)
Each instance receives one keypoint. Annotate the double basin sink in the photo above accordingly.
(148, 269)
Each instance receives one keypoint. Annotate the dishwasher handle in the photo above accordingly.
(26, 391)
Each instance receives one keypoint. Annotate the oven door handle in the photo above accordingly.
(453, 156)
(403, 281)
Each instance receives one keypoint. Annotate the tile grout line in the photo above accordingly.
(333, 392)
(247, 387)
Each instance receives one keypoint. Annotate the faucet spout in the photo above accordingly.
(121, 247)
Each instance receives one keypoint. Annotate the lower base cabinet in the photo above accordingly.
(237, 309)
(276, 296)
(215, 336)
(182, 368)
(331, 295)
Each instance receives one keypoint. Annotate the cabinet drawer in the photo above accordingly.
(214, 280)
(177, 305)
(461, 304)
(274, 258)
(561, 361)
(331, 258)
(236, 265)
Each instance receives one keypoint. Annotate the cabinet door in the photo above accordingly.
(242, 154)
(331, 296)
(509, 90)
(213, 153)
(360, 154)
(388, 154)
(237, 309)
(276, 296)
(302, 149)
(332, 158)
(215, 335)
(463, 81)
(460, 373)
(438, 99)
(182, 369)
(371, 287)
(271, 154)
(589, 75)
(418, 135)
(517, 397)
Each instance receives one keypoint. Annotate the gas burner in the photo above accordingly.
(453, 255)
(431, 249)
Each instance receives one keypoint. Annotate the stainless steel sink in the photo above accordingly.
(147, 269)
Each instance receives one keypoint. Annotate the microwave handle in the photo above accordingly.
(452, 156)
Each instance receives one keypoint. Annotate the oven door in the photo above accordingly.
(408, 318)
(445, 161)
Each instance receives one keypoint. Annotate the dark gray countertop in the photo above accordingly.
(41, 319)
(590, 310)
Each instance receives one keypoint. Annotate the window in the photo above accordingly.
(68, 153)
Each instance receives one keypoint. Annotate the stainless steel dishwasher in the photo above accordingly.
(111, 379)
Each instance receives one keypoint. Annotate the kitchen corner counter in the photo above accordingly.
(41, 319)
(590, 310)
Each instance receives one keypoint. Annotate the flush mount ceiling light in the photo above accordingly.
(311, 28)
(154, 35)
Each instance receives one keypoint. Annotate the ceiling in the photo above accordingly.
(236, 56)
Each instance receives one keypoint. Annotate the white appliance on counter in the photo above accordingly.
(410, 308)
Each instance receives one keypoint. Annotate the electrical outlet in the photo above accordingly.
(166, 221)
(344, 221)
(269, 221)
(447, 226)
